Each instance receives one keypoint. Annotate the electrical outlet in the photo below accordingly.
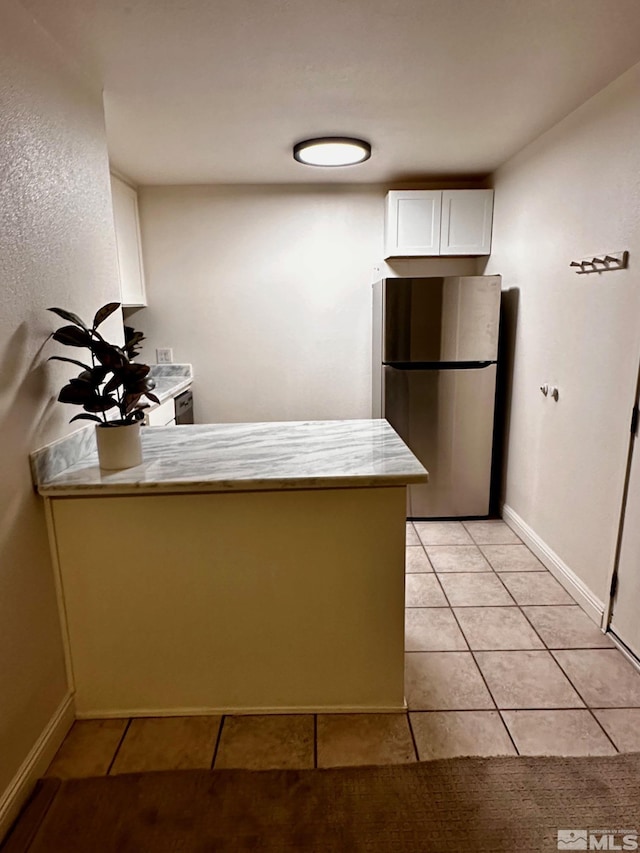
(164, 356)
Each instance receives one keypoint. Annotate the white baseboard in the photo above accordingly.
(592, 605)
(36, 762)
(630, 656)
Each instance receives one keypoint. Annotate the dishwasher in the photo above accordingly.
(184, 408)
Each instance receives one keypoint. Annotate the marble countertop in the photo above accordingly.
(250, 457)
(170, 379)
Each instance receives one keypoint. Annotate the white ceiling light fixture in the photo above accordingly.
(332, 151)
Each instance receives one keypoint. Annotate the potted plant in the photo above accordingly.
(109, 389)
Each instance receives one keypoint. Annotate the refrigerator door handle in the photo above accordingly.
(438, 365)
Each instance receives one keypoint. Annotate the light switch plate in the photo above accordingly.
(164, 356)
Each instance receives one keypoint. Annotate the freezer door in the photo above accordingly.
(440, 319)
(446, 418)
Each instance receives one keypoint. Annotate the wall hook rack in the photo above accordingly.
(602, 263)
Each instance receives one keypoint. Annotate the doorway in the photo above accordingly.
(623, 614)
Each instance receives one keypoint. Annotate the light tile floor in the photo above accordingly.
(499, 661)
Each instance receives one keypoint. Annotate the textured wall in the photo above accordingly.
(267, 291)
(56, 248)
(573, 193)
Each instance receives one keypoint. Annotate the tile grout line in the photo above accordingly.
(502, 607)
(486, 606)
(446, 598)
(413, 737)
(491, 710)
(513, 603)
(511, 737)
(217, 744)
(117, 749)
(521, 649)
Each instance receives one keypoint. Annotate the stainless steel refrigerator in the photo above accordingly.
(435, 351)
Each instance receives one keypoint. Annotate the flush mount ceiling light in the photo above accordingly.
(332, 151)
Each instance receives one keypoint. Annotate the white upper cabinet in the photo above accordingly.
(467, 216)
(438, 222)
(412, 223)
(127, 226)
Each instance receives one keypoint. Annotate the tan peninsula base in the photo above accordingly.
(257, 601)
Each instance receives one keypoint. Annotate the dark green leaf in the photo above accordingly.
(131, 336)
(72, 336)
(77, 393)
(131, 341)
(69, 315)
(131, 401)
(152, 397)
(83, 380)
(70, 360)
(94, 377)
(104, 312)
(83, 417)
(141, 386)
(112, 384)
(112, 357)
(134, 372)
(99, 374)
(99, 403)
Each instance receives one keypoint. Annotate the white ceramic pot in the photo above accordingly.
(119, 446)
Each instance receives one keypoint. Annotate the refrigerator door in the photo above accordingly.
(440, 319)
(446, 418)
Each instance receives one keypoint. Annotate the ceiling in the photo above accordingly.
(217, 91)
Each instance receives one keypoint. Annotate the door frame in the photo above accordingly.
(612, 579)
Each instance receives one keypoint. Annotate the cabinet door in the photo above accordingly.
(467, 216)
(127, 227)
(162, 415)
(412, 223)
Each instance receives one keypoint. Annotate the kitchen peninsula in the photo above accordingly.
(242, 567)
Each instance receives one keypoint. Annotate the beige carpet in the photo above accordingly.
(514, 805)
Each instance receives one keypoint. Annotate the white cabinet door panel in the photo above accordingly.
(163, 415)
(413, 223)
(467, 216)
(127, 227)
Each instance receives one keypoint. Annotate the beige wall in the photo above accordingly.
(267, 292)
(56, 248)
(572, 194)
